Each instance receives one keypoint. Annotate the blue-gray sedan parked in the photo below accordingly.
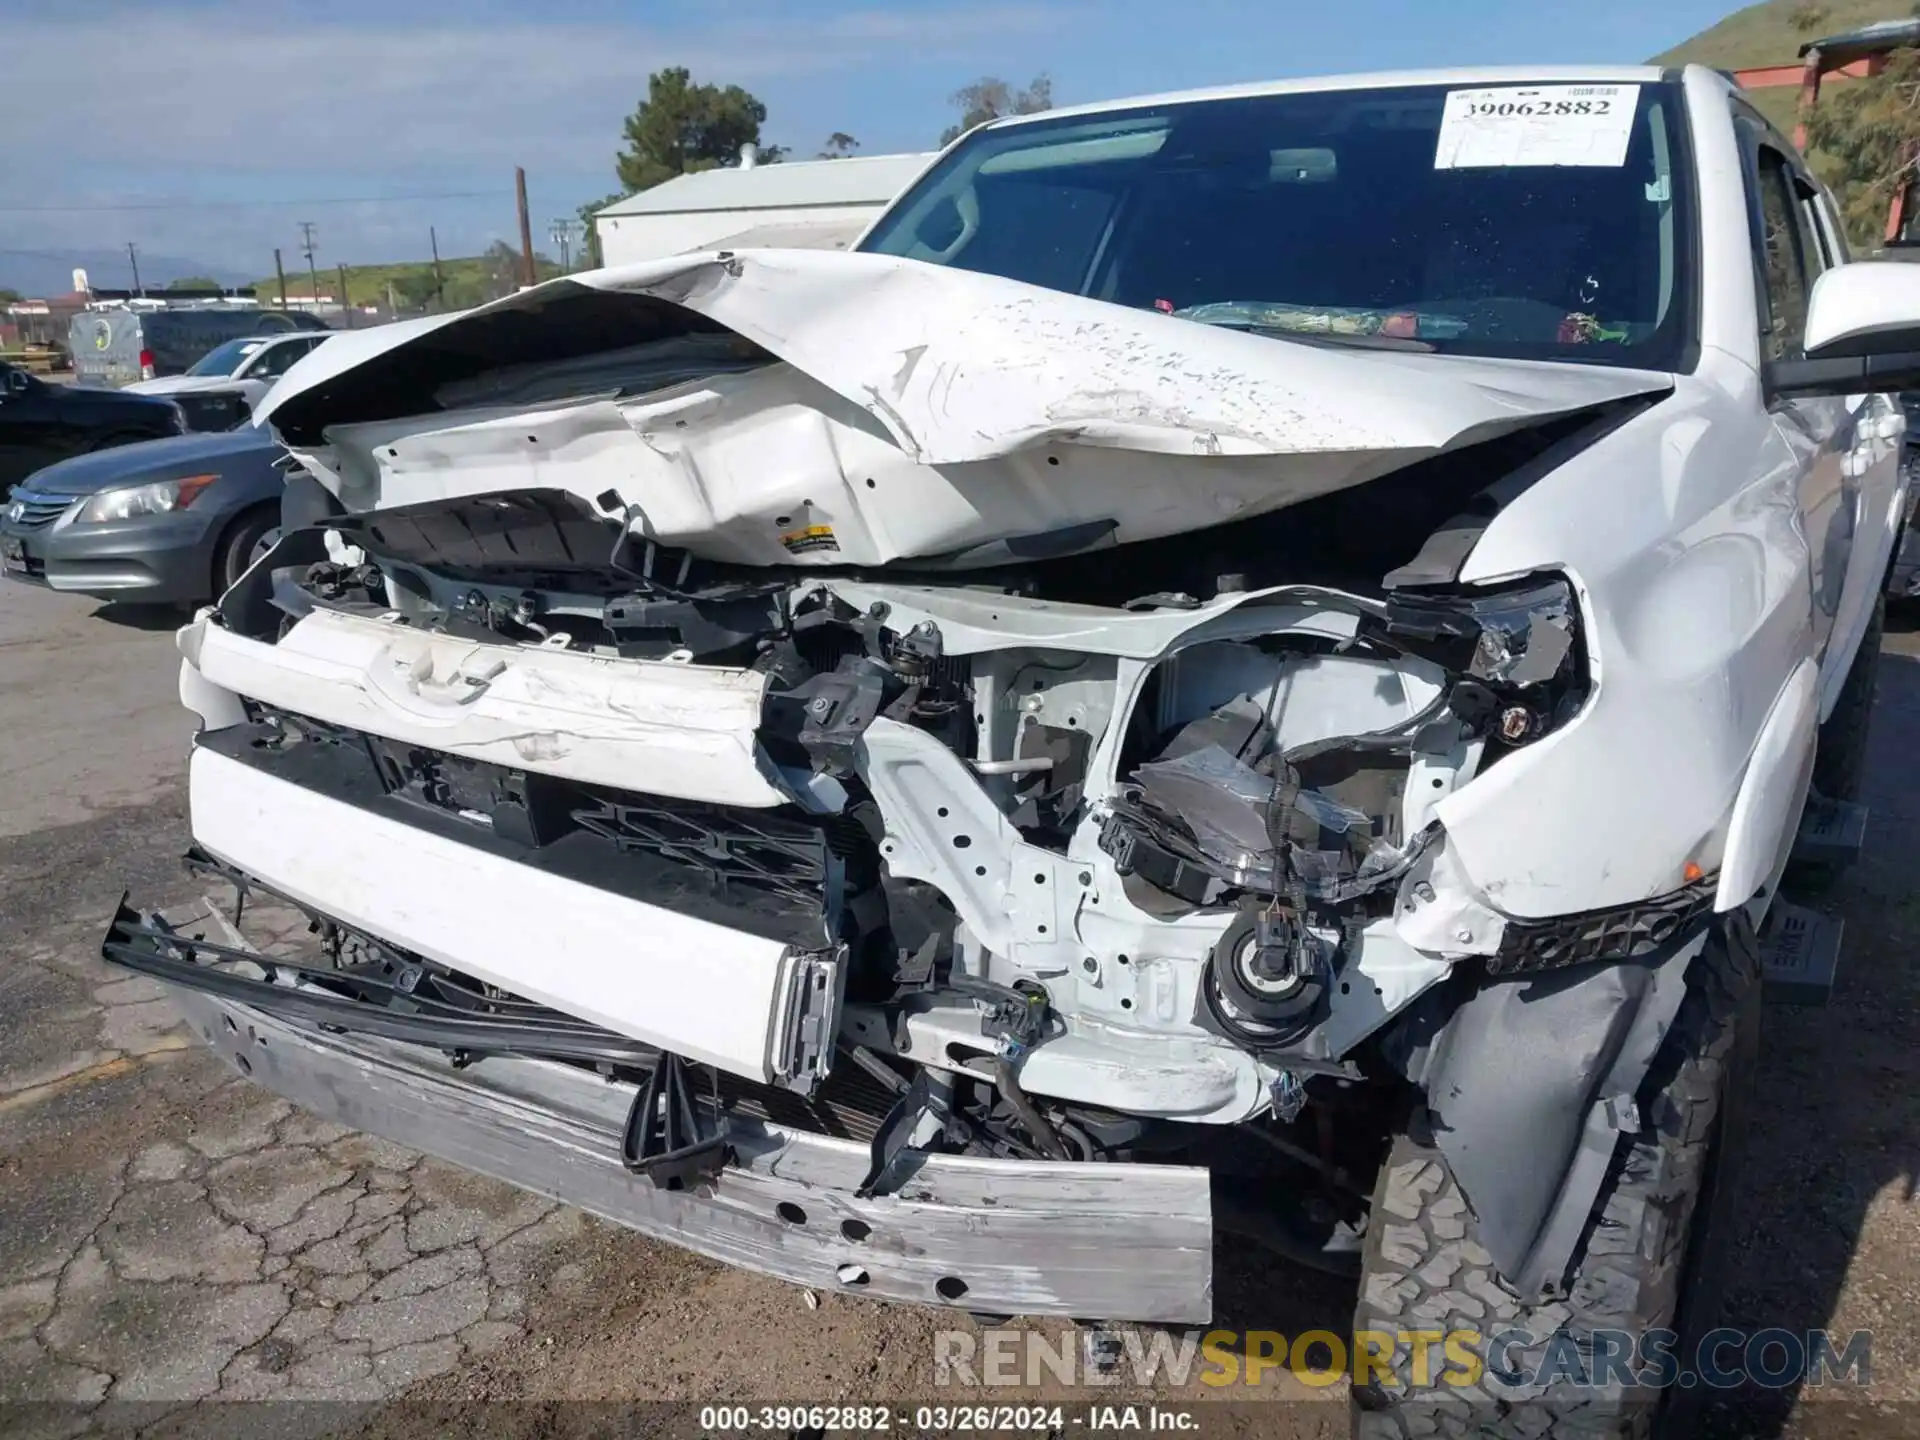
(168, 522)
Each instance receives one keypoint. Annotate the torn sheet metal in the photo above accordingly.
(921, 411)
(1129, 1242)
(667, 729)
(1531, 1156)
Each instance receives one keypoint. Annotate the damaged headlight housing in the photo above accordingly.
(126, 502)
(1516, 653)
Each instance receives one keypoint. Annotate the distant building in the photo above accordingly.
(809, 205)
(1850, 55)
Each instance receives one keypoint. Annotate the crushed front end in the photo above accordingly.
(940, 925)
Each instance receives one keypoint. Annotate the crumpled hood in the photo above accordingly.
(1007, 410)
(147, 460)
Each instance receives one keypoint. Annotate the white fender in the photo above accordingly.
(1766, 814)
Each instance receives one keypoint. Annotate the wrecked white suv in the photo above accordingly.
(1243, 643)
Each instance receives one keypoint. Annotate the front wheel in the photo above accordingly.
(250, 537)
(1508, 1366)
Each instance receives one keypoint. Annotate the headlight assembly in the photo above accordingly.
(128, 501)
(1516, 654)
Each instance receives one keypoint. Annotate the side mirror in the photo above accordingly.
(19, 382)
(1863, 333)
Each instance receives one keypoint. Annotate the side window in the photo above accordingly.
(1834, 229)
(280, 357)
(1782, 257)
(1816, 243)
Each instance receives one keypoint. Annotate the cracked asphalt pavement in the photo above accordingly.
(168, 1232)
(173, 1235)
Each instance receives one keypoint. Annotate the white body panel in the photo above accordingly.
(633, 968)
(269, 359)
(174, 385)
(922, 411)
(662, 728)
(635, 239)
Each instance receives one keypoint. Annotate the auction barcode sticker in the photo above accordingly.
(1536, 125)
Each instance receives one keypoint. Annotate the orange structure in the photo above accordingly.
(1856, 53)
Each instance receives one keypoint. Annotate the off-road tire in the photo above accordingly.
(1840, 753)
(1650, 1246)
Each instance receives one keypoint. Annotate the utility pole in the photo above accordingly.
(561, 233)
(439, 282)
(346, 305)
(133, 259)
(527, 275)
(313, 275)
(281, 271)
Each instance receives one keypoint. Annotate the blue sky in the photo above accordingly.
(255, 110)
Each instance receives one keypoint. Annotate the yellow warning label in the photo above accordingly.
(809, 538)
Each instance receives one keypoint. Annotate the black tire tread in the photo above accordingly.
(1422, 1268)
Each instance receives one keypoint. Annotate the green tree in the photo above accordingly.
(586, 212)
(1865, 140)
(988, 99)
(839, 146)
(10, 296)
(683, 126)
(414, 289)
(194, 282)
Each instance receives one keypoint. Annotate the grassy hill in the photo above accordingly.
(1765, 34)
(468, 280)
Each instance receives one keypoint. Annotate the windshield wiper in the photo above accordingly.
(1359, 342)
(1330, 337)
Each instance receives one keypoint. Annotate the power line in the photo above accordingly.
(245, 204)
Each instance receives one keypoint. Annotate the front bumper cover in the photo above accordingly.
(1105, 1241)
(150, 559)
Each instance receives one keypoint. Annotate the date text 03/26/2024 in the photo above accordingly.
(936, 1419)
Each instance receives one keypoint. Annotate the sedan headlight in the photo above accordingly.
(129, 501)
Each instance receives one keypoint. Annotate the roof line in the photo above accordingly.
(613, 213)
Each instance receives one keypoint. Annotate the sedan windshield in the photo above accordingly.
(224, 359)
(1543, 221)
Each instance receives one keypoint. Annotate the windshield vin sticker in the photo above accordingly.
(1518, 125)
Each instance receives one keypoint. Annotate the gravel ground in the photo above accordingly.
(170, 1234)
